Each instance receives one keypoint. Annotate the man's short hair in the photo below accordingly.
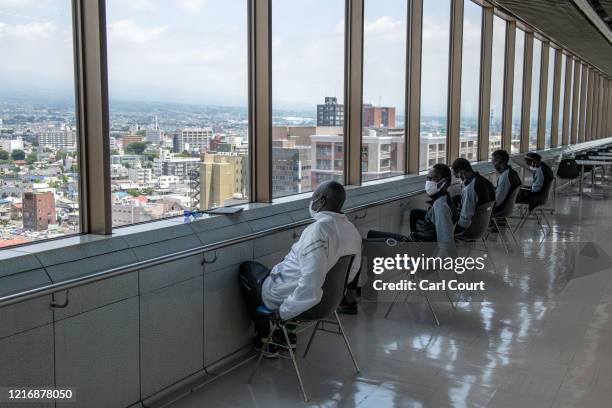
(461, 164)
(444, 171)
(502, 154)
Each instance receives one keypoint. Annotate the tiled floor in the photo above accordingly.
(541, 336)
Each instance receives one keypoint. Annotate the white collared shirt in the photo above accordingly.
(294, 285)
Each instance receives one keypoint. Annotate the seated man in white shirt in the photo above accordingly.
(294, 285)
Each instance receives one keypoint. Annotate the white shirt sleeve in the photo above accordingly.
(313, 258)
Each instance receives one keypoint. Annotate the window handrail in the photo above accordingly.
(29, 294)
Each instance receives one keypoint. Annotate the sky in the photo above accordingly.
(195, 51)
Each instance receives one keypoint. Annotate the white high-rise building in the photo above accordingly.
(61, 139)
(194, 139)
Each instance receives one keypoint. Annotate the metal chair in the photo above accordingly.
(568, 170)
(535, 209)
(506, 212)
(426, 249)
(478, 229)
(333, 291)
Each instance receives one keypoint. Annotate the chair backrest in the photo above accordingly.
(480, 222)
(568, 169)
(544, 194)
(333, 291)
(509, 205)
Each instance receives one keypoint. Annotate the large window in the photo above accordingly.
(497, 83)
(549, 97)
(434, 82)
(517, 92)
(39, 176)
(535, 94)
(470, 81)
(178, 107)
(384, 77)
(307, 94)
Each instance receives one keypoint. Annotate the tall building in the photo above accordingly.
(38, 211)
(378, 116)
(59, 139)
(223, 176)
(331, 113)
(194, 139)
(382, 153)
(290, 168)
(154, 136)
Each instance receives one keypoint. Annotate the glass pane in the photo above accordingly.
(384, 77)
(497, 83)
(535, 94)
(434, 82)
(39, 163)
(470, 81)
(549, 97)
(561, 100)
(517, 92)
(178, 88)
(307, 94)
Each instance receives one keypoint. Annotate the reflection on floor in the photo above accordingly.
(540, 337)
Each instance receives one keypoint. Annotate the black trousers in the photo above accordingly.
(252, 276)
(416, 214)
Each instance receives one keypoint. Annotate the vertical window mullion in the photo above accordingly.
(454, 82)
(260, 99)
(353, 68)
(484, 109)
(413, 86)
(92, 115)
(506, 143)
(526, 107)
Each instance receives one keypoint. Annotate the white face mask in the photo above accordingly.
(432, 187)
(533, 168)
(310, 210)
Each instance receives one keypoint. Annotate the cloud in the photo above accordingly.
(191, 5)
(127, 30)
(139, 4)
(28, 31)
(385, 28)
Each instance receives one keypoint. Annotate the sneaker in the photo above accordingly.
(270, 353)
(279, 337)
(347, 308)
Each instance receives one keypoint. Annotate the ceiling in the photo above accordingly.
(567, 26)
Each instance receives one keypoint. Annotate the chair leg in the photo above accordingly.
(295, 365)
(512, 233)
(501, 234)
(431, 308)
(394, 301)
(450, 299)
(264, 349)
(348, 345)
(490, 256)
(312, 336)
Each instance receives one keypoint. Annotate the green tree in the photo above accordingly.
(141, 132)
(136, 148)
(32, 157)
(4, 155)
(18, 154)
